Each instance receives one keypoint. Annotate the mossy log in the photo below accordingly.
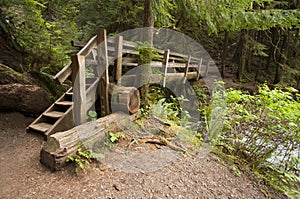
(61, 145)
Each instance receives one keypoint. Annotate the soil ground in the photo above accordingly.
(23, 176)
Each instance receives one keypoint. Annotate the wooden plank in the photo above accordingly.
(187, 68)
(103, 71)
(88, 47)
(118, 57)
(42, 127)
(54, 114)
(79, 92)
(129, 51)
(165, 65)
(63, 123)
(174, 54)
(129, 44)
(199, 69)
(75, 68)
(177, 65)
(64, 103)
(62, 75)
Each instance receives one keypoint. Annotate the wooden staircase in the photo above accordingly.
(59, 116)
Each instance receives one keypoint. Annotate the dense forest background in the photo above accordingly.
(257, 41)
(253, 42)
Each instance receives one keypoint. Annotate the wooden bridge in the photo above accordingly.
(96, 68)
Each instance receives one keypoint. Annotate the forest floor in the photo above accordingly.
(23, 176)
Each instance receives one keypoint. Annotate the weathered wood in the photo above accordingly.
(118, 56)
(88, 47)
(126, 99)
(103, 71)
(187, 68)
(199, 69)
(165, 65)
(74, 68)
(61, 145)
(62, 75)
(128, 80)
(79, 92)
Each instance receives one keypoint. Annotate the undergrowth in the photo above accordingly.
(263, 130)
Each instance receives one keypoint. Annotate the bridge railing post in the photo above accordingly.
(79, 92)
(165, 65)
(103, 71)
(199, 69)
(118, 57)
(187, 68)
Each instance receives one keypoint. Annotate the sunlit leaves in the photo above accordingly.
(234, 15)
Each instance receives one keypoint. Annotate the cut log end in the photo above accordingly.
(61, 145)
(126, 99)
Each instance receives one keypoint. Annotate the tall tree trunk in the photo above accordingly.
(258, 69)
(224, 55)
(249, 53)
(283, 57)
(146, 54)
(241, 67)
(271, 48)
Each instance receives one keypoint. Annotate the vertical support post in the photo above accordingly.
(206, 69)
(199, 68)
(103, 71)
(79, 92)
(165, 66)
(118, 57)
(187, 68)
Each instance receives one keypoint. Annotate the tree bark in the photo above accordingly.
(283, 57)
(146, 54)
(64, 144)
(241, 67)
(271, 48)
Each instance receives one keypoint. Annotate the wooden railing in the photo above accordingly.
(118, 53)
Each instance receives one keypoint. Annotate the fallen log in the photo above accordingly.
(61, 145)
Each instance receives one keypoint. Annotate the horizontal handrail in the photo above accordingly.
(63, 74)
(176, 60)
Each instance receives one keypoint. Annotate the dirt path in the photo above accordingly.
(22, 175)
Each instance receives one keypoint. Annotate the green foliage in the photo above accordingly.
(243, 14)
(162, 12)
(164, 110)
(92, 115)
(114, 137)
(82, 159)
(114, 15)
(43, 30)
(264, 130)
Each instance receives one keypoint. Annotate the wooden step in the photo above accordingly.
(64, 103)
(41, 127)
(54, 114)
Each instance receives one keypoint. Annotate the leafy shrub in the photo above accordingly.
(264, 130)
